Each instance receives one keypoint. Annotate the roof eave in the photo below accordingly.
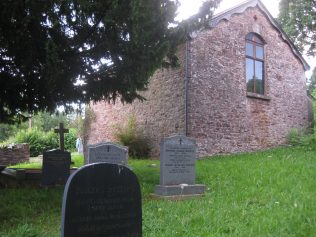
(226, 15)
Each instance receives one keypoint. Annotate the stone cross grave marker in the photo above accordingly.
(61, 131)
(107, 152)
(56, 167)
(177, 168)
(102, 199)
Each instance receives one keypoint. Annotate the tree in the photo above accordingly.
(56, 52)
(45, 121)
(298, 19)
(312, 81)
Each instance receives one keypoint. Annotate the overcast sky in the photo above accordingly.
(190, 7)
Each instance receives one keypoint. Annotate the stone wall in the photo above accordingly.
(161, 114)
(223, 117)
(18, 153)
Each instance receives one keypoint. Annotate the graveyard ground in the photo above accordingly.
(270, 193)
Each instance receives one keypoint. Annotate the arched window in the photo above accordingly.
(255, 63)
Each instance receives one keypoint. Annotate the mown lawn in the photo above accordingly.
(270, 193)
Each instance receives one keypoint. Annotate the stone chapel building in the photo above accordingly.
(240, 87)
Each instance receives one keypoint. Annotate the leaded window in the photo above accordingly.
(255, 63)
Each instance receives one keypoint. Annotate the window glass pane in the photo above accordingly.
(249, 36)
(259, 86)
(259, 77)
(257, 39)
(259, 52)
(259, 70)
(249, 49)
(250, 74)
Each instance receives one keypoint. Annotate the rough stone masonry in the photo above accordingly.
(206, 98)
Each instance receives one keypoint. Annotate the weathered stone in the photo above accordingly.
(177, 168)
(177, 160)
(221, 115)
(56, 167)
(18, 153)
(107, 152)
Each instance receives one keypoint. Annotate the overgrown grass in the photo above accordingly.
(270, 193)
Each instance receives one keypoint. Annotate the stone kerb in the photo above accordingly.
(107, 152)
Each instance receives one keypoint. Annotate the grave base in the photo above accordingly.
(179, 191)
(18, 177)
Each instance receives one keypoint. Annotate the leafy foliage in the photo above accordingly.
(46, 121)
(8, 130)
(40, 141)
(82, 123)
(43, 121)
(113, 47)
(298, 19)
(298, 137)
(312, 91)
(312, 82)
(70, 140)
(133, 138)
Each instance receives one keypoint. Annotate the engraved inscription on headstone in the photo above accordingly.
(178, 157)
(177, 167)
(102, 199)
(107, 152)
(56, 167)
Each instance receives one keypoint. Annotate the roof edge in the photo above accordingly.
(227, 14)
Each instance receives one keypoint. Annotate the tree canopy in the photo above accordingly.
(312, 81)
(298, 19)
(56, 52)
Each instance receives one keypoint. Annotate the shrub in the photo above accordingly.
(134, 138)
(298, 137)
(39, 141)
(70, 140)
(294, 137)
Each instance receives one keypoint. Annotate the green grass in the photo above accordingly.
(270, 193)
(76, 158)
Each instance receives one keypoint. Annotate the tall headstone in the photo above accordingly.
(56, 167)
(61, 131)
(102, 199)
(177, 168)
(107, 152)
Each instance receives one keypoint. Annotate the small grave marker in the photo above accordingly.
(102, 199)
(56, 167)
(107, 152)
(177, 168)
(61, 131)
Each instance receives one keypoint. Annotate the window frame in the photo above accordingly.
(255, 40)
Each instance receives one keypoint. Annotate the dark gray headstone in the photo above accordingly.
(107, 152)
(177, 167)
(56, 167)
(2, 167)
(102, 199)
